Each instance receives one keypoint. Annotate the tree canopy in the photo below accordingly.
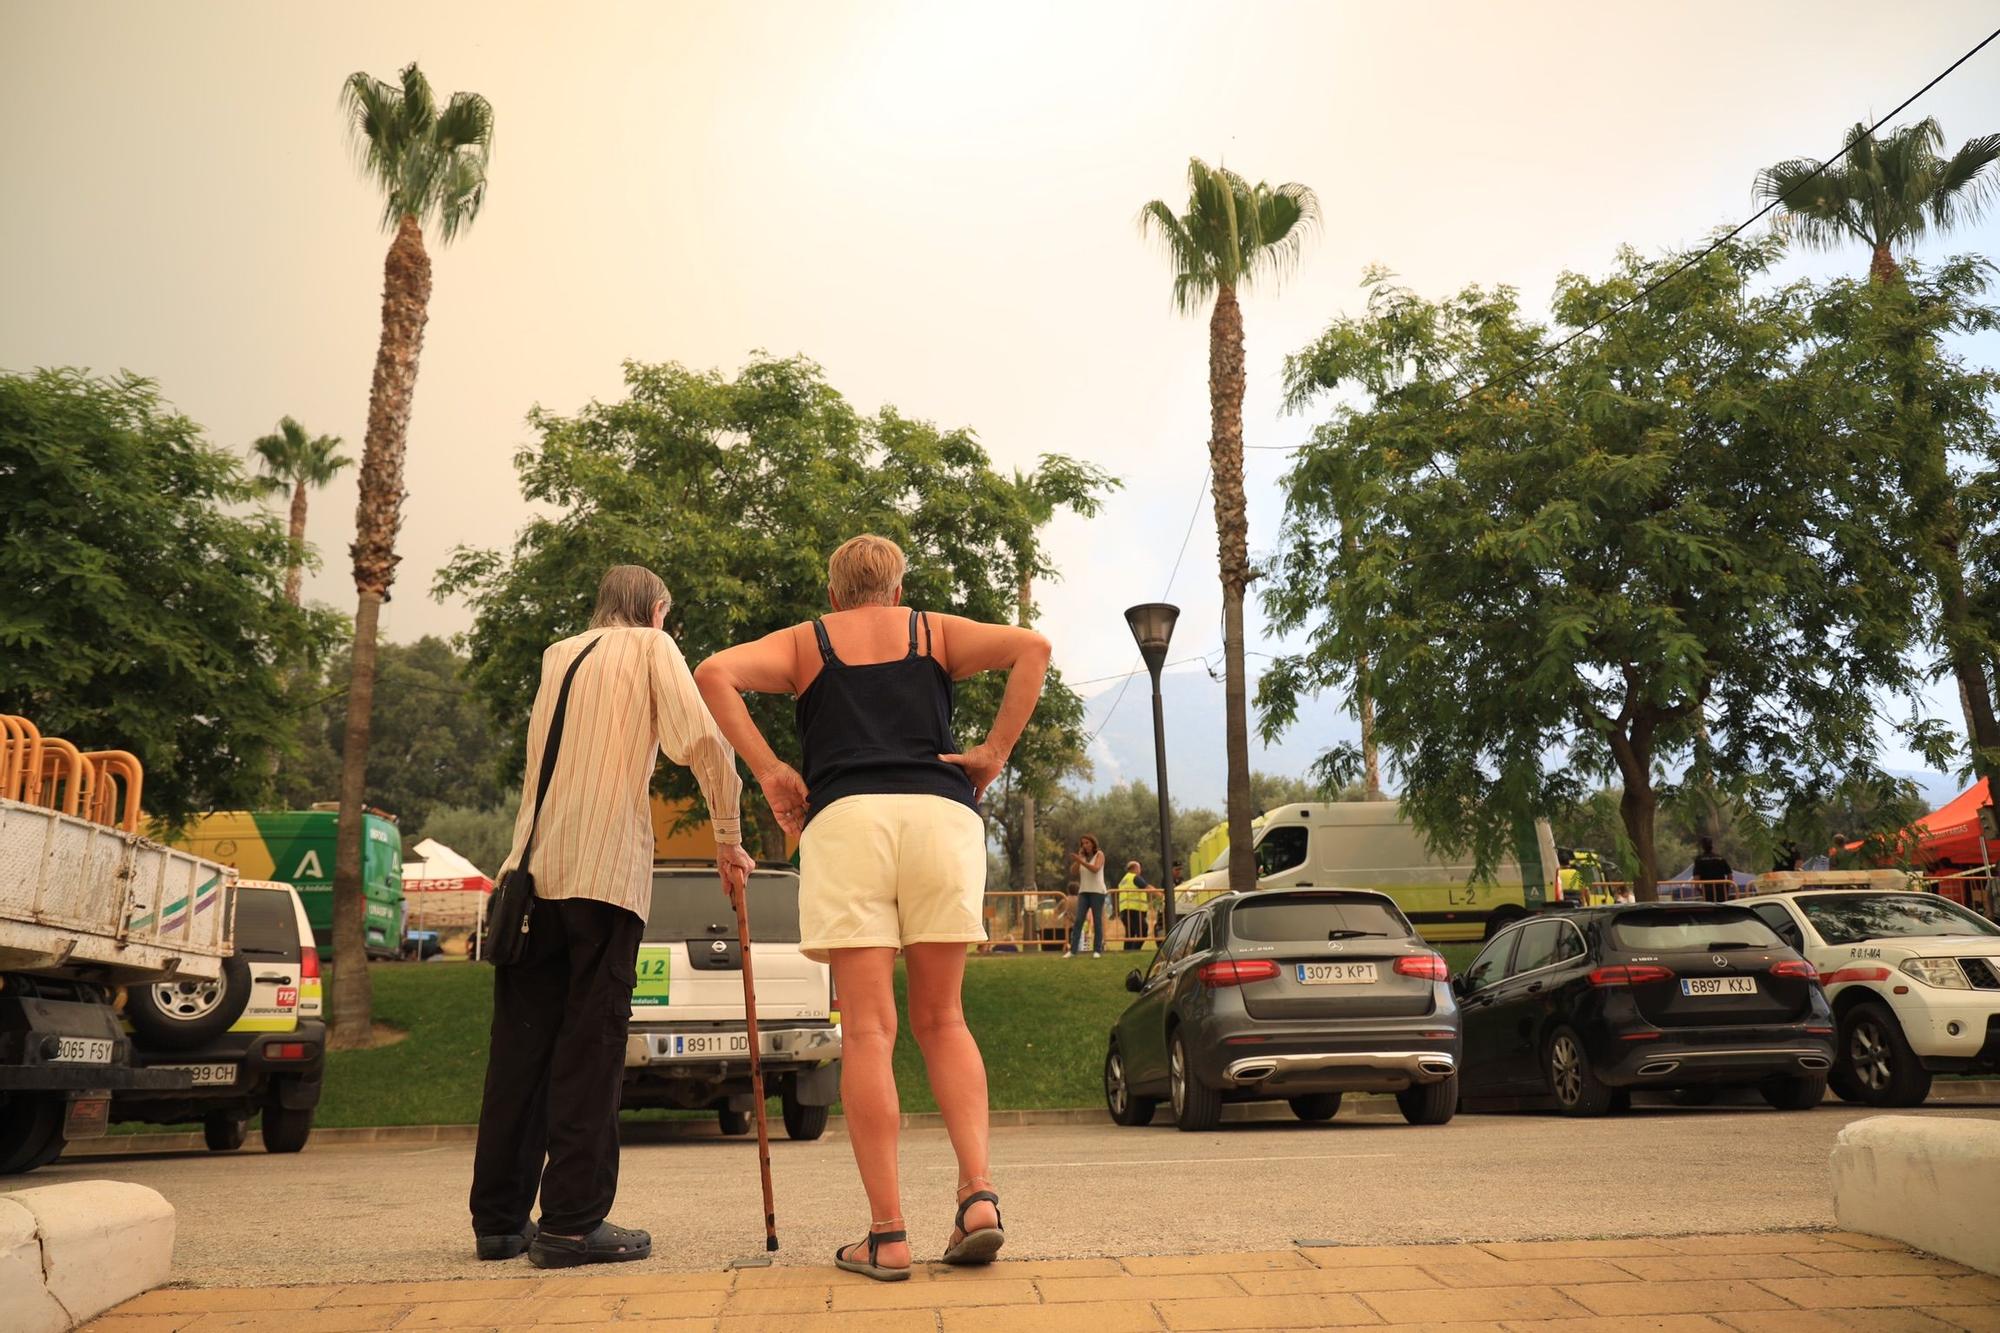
(141, 608)
(1663, 546)
(736, 490)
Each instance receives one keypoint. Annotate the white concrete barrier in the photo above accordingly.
(1929, 1181)
(70, 1252)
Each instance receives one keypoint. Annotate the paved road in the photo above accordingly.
(394, 1213)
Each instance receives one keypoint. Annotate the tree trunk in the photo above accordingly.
(353, 997)
(1882, 268)
(1371, 761)
(1638, 807)
(406, 294)
(771, 840)
(1024, 870)
(1225, 452)
(295, 571)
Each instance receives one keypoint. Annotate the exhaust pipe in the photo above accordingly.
(1815, 1062)
(1441, 1068)
(1254, 1073)
(1658, 1067)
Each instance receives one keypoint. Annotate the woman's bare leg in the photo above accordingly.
(952, 1060)
(865, 981)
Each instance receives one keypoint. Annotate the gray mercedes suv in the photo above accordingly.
(1292, 994)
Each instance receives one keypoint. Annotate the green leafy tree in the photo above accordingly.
(483, 835)
(1231, 235)
(432, 745)
(295, 461)
(430, 164)
(736, 490)
(138, 609)
(1656, 549)
(1887, 191)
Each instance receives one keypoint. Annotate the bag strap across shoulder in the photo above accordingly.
(550, 748)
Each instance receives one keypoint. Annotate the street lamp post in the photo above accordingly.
(1153, 626)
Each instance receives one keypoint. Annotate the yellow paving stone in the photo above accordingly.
(1571, 1249)
(202, 1300)
(1645, 1323)
(396, 1293)
(1834, 1321)
(867, 1295)
(140, 1323)
(1861, 1240)
(1144, 1265)
(817, 1276)
(866, 1321)
(1972, 1318)
(1072, 1317)
(629, 1326)
(1882, 1263)
(1857, 1293)
(1179, 1286)
(342, 1319)
(1248, 1312)
(1455, 1326)
(1387, 1277)
(1017, 1268)
(1448, 1303)
(623, 1282)
(1526, 1272)
(1635, 1298)
(677, 1304)
(1699, 1267)
(1364, 1256)
(524, 1310)
(778, 1300)
(1752, 1242)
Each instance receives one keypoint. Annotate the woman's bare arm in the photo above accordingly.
(766, 666)
(970, 647)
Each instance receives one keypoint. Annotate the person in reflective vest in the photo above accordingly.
(1134, 906)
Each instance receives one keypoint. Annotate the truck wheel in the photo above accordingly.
(732, 1122)
(286, 1129)
(224, 1131)
(1886, 1071)
(803, 1123)
(181, 1015)
(1429, 1103)
(1125, 1108)
(1196, 1106)
(31, 1131)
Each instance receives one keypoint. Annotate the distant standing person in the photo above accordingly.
(1091, 895)
(1709, 866)
(1135, 901)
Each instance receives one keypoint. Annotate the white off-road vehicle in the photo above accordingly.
(1913, 978)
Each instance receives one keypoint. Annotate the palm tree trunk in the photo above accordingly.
(1225, 453)
(406, 295)
(1882, 268)
(1024, 876)
(295, 571)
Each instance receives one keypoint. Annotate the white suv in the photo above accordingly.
(689, 1046)
(1913, 978)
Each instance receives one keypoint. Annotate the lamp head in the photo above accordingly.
(1153, 627)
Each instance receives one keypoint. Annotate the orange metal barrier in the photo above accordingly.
(105, 785)
(119, 779)
(1022, 921)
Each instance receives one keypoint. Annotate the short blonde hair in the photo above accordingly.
(865, 571)
(626, 596)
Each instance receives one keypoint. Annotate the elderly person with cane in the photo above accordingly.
(611, 700)
(893, 853)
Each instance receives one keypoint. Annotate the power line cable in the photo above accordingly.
(1172, 574)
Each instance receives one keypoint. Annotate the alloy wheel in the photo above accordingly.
(1566, 1070)
(1177, 1078)
(1868, 1050)
(187, 1000)
(1114, 1083)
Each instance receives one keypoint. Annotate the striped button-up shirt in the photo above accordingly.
(633, 698)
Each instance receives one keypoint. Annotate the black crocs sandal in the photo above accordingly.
(869, 1268)
(507, 1244)
(977, 1247)
(607, 1245)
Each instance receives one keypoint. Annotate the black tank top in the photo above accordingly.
(878, 729)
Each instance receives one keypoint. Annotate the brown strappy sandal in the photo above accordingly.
(977, 1247)
(876, 1240)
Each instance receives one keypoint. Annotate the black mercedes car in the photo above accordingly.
(1294, 994)
(1584, 1007)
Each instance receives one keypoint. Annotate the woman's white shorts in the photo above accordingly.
(886, 870)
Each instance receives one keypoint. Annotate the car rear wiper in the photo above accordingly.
(1733, 944)
(1356, 934)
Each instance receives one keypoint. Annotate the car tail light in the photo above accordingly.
(1231, 973)
(1795, 967)
(1840, 975)
(1429, 966)
(288, 1050)
(1632, 974)
(309, 965)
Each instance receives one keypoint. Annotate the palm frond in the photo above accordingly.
(429, 163)
(1964, 186)
(1194, 273)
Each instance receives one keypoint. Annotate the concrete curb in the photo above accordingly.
(660, 1131)
(70, 1252)
(1928, 1181)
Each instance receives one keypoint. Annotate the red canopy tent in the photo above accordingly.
(1951, 832)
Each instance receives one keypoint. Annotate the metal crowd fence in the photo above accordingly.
(1024, 921)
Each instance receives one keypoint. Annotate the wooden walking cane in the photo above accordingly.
(738, 897)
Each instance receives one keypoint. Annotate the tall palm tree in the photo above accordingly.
(295, 461)
(1886, 191)
(1231, 234)
(430, 163)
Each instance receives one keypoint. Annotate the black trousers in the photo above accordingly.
(557, 1059)
(1135, 927)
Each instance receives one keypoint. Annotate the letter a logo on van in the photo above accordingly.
(309, 866)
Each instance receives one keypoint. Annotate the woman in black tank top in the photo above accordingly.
(892, 853)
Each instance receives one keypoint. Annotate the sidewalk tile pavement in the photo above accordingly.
(1780, 1282)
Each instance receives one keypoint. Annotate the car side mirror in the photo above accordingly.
(1135, 980)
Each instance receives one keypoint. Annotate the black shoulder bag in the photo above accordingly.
(514, 895)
